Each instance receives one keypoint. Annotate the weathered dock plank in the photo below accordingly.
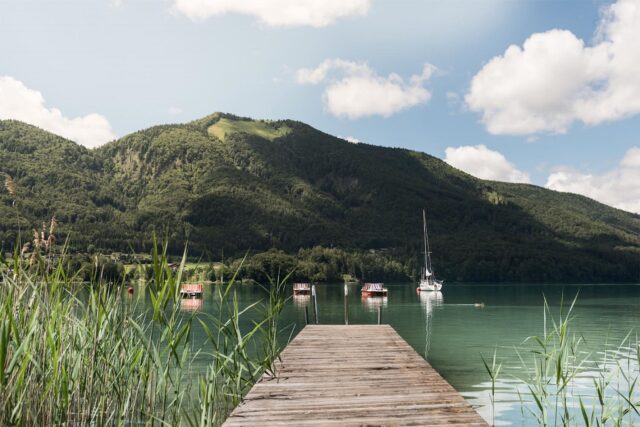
(352, 375)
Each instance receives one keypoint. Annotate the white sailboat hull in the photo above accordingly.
(429, 285)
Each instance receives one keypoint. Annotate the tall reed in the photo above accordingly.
(90, 356)
(493, 371)
(238, 359)
(564, 384)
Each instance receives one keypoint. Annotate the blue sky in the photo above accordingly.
(116, 66)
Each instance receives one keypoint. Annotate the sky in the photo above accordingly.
(536, 91)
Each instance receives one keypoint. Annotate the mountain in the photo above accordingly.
(230, 184)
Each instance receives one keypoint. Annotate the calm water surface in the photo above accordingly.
(451, 332)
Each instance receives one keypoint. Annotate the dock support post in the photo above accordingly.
(315, 302)
(379, 315)
(346, 304)
(306, 314)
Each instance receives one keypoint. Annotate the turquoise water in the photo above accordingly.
(453, 328)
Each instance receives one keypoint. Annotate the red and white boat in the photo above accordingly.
(374, 289)
(302, 288)
(191, 290)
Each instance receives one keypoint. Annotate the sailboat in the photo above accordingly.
(428, 280)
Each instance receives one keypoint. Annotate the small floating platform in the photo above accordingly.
(374, 289)
(191, 290)
(302, 288)
(334, 375)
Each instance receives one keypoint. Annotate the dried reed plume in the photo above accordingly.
(36, 239)
(24, 249)
(10, 185)
(42, 241)
(53, 226)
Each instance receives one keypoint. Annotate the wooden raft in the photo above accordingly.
(353, 375)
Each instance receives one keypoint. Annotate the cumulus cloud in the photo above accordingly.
(276, 13)
(619, 187)
(354, 90)
(556, 79)
(350, 139)
(481, 162)
(19, 102)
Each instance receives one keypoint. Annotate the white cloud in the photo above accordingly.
(619, 187)
(350, 139)
(360, 92)
(19, 102)
(555, 79)
(318, 74)
(484, 163)
(276, 13)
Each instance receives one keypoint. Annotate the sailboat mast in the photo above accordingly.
(427, 251)
(424, 233)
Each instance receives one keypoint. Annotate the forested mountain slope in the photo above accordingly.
(231, 184)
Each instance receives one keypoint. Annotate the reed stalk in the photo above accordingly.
(89, 355)
(556, 372)
(493, 371)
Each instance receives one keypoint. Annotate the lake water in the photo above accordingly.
(453, 328)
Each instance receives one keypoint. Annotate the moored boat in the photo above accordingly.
(302, 288)
(429, 285)
(374, 289)
(191, 290)
(428, 282)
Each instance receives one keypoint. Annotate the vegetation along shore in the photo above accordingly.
(290, 194)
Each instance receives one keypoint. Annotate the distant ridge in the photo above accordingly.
(227, 183)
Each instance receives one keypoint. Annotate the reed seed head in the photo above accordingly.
(53, 226)
(36, 239)
(10, 185)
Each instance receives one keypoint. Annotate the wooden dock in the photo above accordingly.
(353, 375)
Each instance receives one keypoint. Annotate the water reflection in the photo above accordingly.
(372, 303)
(301, 300)
(604, 381)
(429, 300)
(191, 304)
(454, 333)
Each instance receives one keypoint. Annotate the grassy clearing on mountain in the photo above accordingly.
(266, 130)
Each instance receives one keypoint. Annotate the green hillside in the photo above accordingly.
(58, 177)
(229, 184)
